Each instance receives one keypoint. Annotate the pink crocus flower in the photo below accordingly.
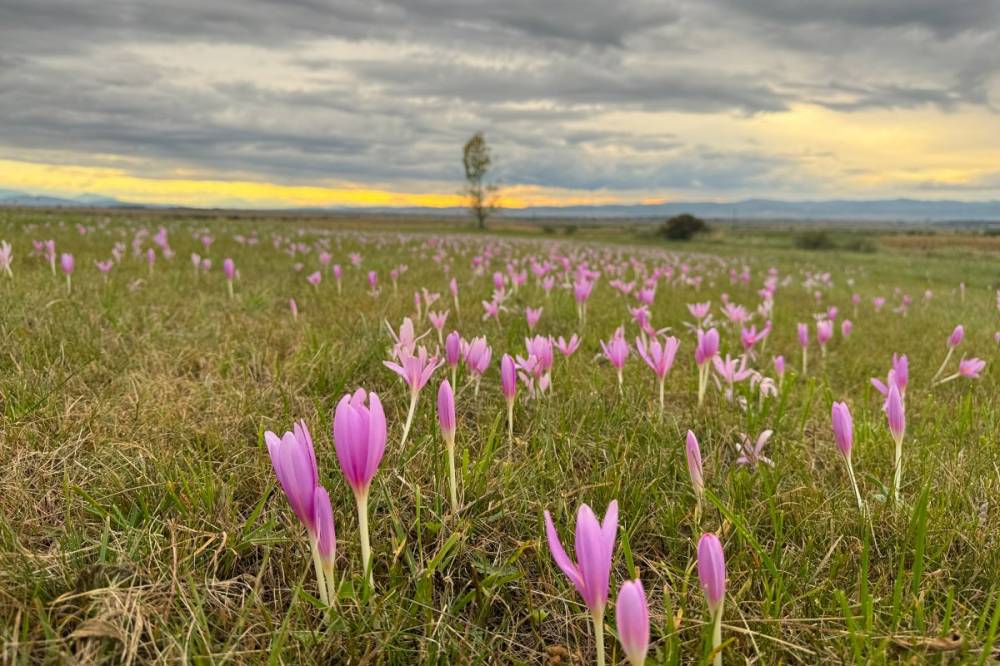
(415, 370)
(971, 367)
(326, 542)
(229, 270)
(846, 326)
(294, 308)
(491, 310)
(6, 257)
(508, 382)
(567, 348)
(695, 471)
(803, 334)
(632, 621)
(66, 263)
(898, 376)
(699, 310)
(843, 433)
(581, 293)
(896, 415)
(752, 453)
(590, 575)
(737, 314)
(294, 464)
(453, 288)
(706, 349)
(453, 353)
(446, 417)
(359, 436)
(824, 332)
(659, 357)
(967, 367)
(712, 576)
(749, 337)
(314, 278)
(338, 273)
(404, 341)
(105, 266)
(477, 355)
(532, 315)
(954, 340)
(731, 370)
(616, 350)
(438, 320)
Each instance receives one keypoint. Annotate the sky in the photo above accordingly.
(274, 103)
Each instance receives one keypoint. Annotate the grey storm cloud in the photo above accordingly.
(384, 91)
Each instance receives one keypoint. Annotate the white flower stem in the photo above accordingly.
(409, 418)
(366, 549)
(854, 483)
(324, 593)
(452, 484)
(947, 379)
(805, 361)
(717, 636)
(510, 420)
(943, 365)
(598, 617)
(898, 478)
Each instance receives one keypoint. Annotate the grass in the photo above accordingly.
(140, 520)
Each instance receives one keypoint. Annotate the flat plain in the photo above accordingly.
(141, 520)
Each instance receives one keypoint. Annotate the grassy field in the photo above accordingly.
(141, 521)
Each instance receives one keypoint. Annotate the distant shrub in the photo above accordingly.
(683, 227)
(814, 239)
(860, 245)
(571, 229)
(548, 229)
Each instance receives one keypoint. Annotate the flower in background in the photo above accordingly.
(752, 453)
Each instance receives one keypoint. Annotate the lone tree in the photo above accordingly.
(476, 159)
(683, 227)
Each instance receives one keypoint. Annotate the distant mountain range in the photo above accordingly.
(15, 198)
(885, 210)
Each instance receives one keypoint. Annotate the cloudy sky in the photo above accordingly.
(367, 102)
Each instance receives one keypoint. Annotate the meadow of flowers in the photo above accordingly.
(319, 441)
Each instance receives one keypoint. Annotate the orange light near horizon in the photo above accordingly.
(71, 180)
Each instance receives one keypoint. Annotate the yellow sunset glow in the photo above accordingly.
(118, 183)
(860, 153)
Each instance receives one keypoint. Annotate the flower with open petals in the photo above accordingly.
(752, 453)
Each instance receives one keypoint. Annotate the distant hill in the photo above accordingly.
(883, 210)
(15, 198)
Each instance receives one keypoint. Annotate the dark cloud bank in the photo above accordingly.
(384, 92)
